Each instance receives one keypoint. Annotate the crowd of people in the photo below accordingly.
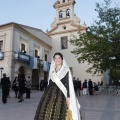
(87, 87)
(20, 86)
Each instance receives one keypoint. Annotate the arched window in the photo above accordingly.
(60, 14)
(63, 1)
(67, 13)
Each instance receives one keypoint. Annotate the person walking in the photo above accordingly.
(21, 86)
(15, 86)
(28, 87)
(75, 84)
(59, 99)
(85, 87)
(42, 85)
(90, 87)
(78, 87)
(5, 83)
(9, 88)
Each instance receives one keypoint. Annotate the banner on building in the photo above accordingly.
(46, 66)
(33, 63)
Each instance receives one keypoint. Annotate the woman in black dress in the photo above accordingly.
(59, 95)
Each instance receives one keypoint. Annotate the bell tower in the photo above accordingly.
(64, 15)
(64, 9)
(65, 26)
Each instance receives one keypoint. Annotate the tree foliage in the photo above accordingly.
(100, 45)
(115, 74)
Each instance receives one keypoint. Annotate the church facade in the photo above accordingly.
(65, 26)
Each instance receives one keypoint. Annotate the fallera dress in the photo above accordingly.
(52, 105)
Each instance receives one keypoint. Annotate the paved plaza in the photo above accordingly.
(96, 107)
(100, 107)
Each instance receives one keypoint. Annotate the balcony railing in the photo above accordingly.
(22, 56)
(34, 63)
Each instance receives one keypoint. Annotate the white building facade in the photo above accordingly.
(25, 50)
(65, 26)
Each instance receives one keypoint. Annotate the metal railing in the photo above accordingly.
(109, 90)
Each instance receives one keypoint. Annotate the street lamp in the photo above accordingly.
(1, 68)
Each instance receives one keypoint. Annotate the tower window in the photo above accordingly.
(67, 13)
(1, 45)
(60, 14)
(64, 42)
(63, 1)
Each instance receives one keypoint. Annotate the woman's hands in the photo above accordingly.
(68, 101)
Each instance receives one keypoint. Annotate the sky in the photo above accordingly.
(41, 13)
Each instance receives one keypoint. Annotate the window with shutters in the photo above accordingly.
(45, 57)
(1, 45)
(22, 47)
(64, 42)
(36, 53)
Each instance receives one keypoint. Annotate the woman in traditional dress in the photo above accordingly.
(59, 97)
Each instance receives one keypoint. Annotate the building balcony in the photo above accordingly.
(22, 57)
(34, 63)
(40, 62)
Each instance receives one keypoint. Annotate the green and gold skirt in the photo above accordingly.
(52, 105)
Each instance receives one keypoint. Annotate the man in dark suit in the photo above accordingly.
(5, 83)
(78, 86)
(85, 86)
(75, 85)
(21, 86)
(90, 87)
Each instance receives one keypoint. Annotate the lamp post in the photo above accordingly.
(1, 68)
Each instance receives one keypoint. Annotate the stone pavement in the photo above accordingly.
(96, 107)
(25, 110)
(100, 107)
